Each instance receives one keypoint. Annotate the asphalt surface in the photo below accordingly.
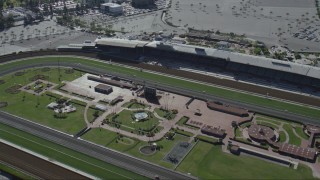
(40, 168)
(118, 159)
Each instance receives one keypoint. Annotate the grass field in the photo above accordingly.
(178, 83)
(182, 122)
(273, 121)
(209, 162)
(110, 139)
(283, 137)
(238, 132)
(165, 113)
(268, 124)
(134, 105)
(293, 139)
(299, 131)
(126, 120)
(64, 155)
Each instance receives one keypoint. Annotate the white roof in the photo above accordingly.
(111, 4)
(120, 42)
(242, 58)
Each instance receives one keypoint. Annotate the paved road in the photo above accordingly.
(121, 160)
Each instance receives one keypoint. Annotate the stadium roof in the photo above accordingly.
(120, 42)
(242, 58)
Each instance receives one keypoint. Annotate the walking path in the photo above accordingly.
(70, 96)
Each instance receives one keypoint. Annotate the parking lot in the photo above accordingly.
(268, 20)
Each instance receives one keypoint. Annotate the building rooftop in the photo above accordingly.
(213, 131)
(258, 132)
(257, 61)
(307, 153)
(120, 42)
(111, 4)
(241, 58)
(103, 87)
(227, 109)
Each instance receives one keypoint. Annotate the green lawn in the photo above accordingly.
(177, 83)
(273, 121)
(91, 112)
(207, 139)
(125, 117)
(293, 139)
(64, 155)
(238, 132)
(165, 113)
(134, 105)
(246, 124)
(182, 132)
(100, 136)
(283, 137)
(268, 124)
(182, 122)
(110, 139)
(299, 131)
(209, 162)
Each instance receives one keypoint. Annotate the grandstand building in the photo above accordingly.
(267, 68)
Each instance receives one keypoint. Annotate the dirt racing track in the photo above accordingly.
(34, 165)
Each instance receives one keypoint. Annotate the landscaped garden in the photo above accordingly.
(33, 107)
(276, 123)
(127, 120)
(293, 139)
(132, 146)
(134, 104)
(183, 122)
